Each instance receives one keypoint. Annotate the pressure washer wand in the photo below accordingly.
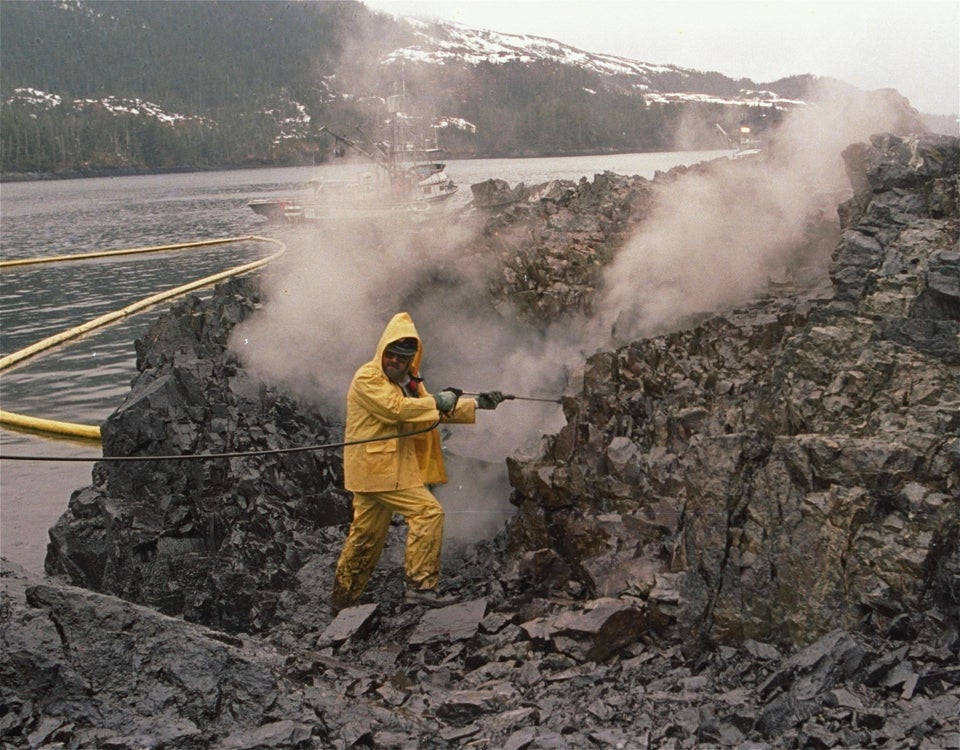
(511, 397)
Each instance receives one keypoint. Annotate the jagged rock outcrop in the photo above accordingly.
(553, 240)
(788, 467)
(216, 541)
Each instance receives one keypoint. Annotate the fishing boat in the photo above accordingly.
(747, 145)
(405, 182)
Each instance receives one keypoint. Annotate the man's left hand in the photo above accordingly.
(489, 399)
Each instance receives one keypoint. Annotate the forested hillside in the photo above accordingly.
(222, 72)
(129, 85)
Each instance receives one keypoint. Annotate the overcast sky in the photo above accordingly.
(913, 47)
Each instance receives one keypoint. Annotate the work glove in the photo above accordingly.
(489, 399)
(446, 401)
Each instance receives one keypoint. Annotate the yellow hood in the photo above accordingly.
(400, 327)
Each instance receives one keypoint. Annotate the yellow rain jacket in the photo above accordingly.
(377, 407)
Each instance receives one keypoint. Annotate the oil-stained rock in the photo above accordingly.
(826, 421)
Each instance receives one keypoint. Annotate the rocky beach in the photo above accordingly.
(745, 535)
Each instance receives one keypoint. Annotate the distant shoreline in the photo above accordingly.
(77, 174)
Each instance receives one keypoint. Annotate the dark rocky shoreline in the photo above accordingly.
(746, 536)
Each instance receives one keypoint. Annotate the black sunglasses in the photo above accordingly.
(398, 357)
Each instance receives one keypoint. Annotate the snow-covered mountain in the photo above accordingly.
(444, 42)
(39, 100)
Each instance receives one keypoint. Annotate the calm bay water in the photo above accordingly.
(84, 381)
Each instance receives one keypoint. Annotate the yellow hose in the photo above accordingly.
(37, 424)
(11, 419)
(128, 251)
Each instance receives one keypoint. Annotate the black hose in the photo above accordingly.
(265, 452)
(240, 454)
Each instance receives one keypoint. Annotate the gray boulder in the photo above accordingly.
(216, 541)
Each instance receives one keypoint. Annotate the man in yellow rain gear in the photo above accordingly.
(389, 474)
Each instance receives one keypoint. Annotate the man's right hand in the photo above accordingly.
(446, 401)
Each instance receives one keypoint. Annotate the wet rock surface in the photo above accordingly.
(746, 536)
(553, 240)
(92, 671)
(217, 541)
(826, 421)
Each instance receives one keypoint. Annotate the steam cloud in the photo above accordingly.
(713, 240)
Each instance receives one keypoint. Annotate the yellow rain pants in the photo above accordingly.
(372, 512)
